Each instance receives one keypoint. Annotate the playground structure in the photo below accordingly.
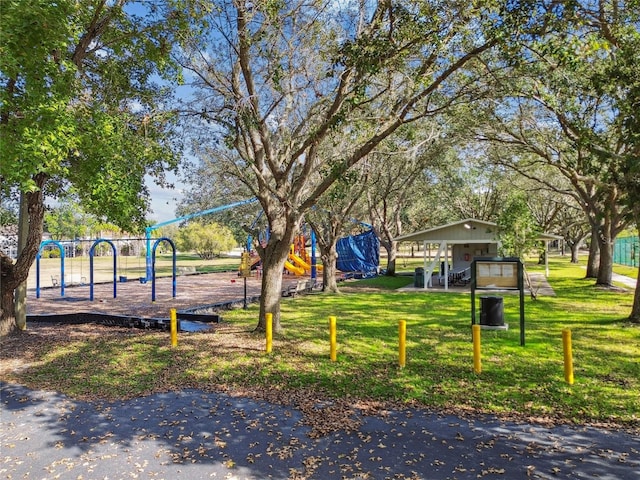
(115, 257)
(358, 254)
(114, 254)
(130, 253)
(363, 255)
(202, 299)
(153, 267)
(299, 262)
(38, 255)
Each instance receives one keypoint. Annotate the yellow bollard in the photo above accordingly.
(568, 356)
(269, 327)
(174, 327)
(402, 341)
(333, 337)
(477, 362)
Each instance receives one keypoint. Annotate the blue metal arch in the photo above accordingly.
(153, 267)
(115, 255)
(59, 245)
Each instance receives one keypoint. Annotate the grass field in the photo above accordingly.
(626, 271)
(134, 267)
(515, 381)
(126, 266)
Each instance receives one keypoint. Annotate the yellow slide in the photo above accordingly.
(299, 262)
(293, 269)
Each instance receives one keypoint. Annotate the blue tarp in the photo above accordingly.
(359, 253)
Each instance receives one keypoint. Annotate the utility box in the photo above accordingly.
(492, 311)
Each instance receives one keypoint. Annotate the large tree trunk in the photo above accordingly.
(575, 248)
(392, 253)
(329, 269)
(274, 256)
(271, 290)
(14, 274)
(7, 315)
(21, 291)
(593, 262)
(635, 310)
(605, 268)
(327, 233)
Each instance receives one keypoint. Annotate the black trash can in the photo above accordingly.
(418, 278)
(491, 311)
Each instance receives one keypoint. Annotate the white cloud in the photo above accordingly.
(164, 200)
(135, 106)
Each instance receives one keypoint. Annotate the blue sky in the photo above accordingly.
(164, 201)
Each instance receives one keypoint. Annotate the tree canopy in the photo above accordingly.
(82, 111)
(207, 240)
(80, 97)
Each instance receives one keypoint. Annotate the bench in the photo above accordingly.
(69, 279)
(185, 270)
(301, 286)
(74, 279)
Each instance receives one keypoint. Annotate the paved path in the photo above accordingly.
(626, 281)
(194, 435)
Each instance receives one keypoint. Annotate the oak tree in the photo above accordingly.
(82, 111)
(277, 80)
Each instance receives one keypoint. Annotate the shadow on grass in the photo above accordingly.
(439, 373)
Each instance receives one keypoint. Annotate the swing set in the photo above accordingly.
(92, 250)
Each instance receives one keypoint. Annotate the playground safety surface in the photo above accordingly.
(134, 298)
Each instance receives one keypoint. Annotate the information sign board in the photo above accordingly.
(498, 274)
(492, 274)
(245, 265)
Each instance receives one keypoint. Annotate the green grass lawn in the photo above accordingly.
(515, 381)
(126, 266)
(626, 271)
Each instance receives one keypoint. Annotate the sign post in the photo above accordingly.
(245, 271)
(498, 273)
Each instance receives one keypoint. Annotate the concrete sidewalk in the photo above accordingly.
(197, 435)
(626, 281)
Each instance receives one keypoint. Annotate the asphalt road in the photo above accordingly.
(196, 435)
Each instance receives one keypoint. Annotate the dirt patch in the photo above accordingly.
(23, 350)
